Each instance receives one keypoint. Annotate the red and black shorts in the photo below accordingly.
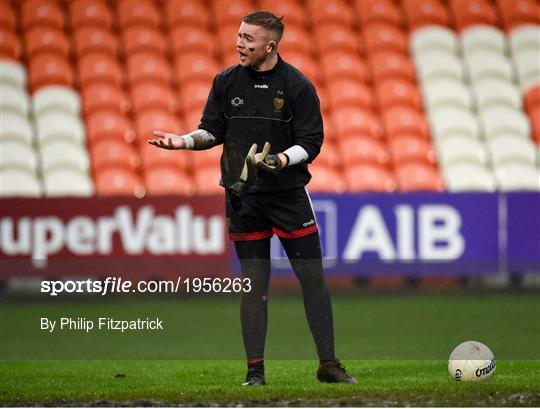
(288, 214)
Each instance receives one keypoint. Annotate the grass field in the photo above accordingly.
(397, 347)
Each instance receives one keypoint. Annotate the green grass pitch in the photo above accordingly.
(397, 347)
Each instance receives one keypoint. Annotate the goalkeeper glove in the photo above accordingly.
(273, 163)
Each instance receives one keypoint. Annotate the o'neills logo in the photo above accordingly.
(138, 233)
(486, 369)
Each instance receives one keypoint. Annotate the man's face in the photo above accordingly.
(254, 44)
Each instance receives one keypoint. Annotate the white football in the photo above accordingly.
(471, 361)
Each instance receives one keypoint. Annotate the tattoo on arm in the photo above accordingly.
(200, 139)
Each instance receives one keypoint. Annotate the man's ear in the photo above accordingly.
(272, 45)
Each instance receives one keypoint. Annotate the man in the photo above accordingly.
(265, 101)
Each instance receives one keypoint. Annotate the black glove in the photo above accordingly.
(271, 163)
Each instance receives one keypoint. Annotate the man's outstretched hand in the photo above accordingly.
(168, 140)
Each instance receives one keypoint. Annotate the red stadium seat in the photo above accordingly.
(323, 99)
(380, 11)
(405, 121)
(404, 149)
(349, 93)
(150, 121)
(356, 122)
(391, 64)
(138, 12)
(167, 181)
(534, 117)
(305, 64)
(193, 95)
(326, 179)
(95, 40)
(295, 40)
(46, 40)
(7, 17)
(113, 154)
(329, 129)
(41, 13)
(335, 11)
(378, 37)
(186, 39)
(340, 64)
(518, 12)
(425, 12)
(396, 93)
(148, 67)
(293, 12)
(143, 39)
(154, 157)
(103, 96)
(207, 181)
(195, 66)
(329, 156)
(99, 68)
(94, 13)
(230, 12)
(186, 13)
(369, 178)
(532, 98)
(108, 125)
(413, 177)
(226, 37)
(206, 158)
(473, 12)
(355, 150)
(49, 69)
(192, 119)
(334, 37)
(153, 95)
(10, 46)
(118, 182)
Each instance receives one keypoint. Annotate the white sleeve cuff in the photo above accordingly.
(296, 155)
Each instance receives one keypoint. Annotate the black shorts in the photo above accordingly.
(288, 214)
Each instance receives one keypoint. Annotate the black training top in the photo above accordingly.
(279, 106)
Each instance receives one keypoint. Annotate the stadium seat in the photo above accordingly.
(335, 11)
(468, 13)
(524, 37)
(13, 73)
(207, 181)
(154, 157)
(185, 39)
(46, 40)
(355, 150)
(485, 63)
(519, 12)
(193, 95)
(528, 68)
(154, 120)
(294, 12)
(57, 154)
(433, 38)
(334, 37)
(433, 65)
(467, 177)
(532, 99)
(408, 148)
(168, 181)
(369, 178)
(387, 37)
(118, 182)
(453, 121)
(53, 125)
(153, 95)
(350, 93)
(49, 69)
(93, 13)
(483, 37)
(56, 98)
(534, 114)
(460, 149)
(207, 158)
(108, 125)
(446, 92)
(148, 67)
(306, 65)
(425, 12)
(517, 176)
(10, 45)
(341, 64)
(326, 179)
(195, 66)
(230, 12)
(138, 12)
(192, 119)
(7, 16)
(296, 39)
(493, 92)
(16, 127)
(329, 156)
(404, 121)
(356, 122)
(186, 13)
(41, 13)
(113, 153)
(396, 93)
(143, 39)
(329, 129)
(67, 182)
(14, 99)
(413, 177)
(393, 65)
(324, 100)
(506, 149)
(104, 96)
(18, 155)
(99, 68)
(501, 121)
(381, 11)
(94, 40)
(19, 183)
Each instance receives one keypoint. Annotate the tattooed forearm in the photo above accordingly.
(199, 140)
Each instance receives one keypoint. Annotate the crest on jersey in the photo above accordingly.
(278, 103)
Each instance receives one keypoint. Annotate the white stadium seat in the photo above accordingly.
(13, 73)
(517, 176)
(59, 153)
(433, 38)
(481, 37)
(452, 121)
(60, 125)
(485, 64)
(527, 63)
(458, 149)
(463, 177)
(67, 182)
(19, 183)
(445, 92)
(14, 99)
(503, 121)
(524, 37)
(18, 155)
(433, 65)
(491, 92)
(504, 149)
(56, 98)
(13, 126)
